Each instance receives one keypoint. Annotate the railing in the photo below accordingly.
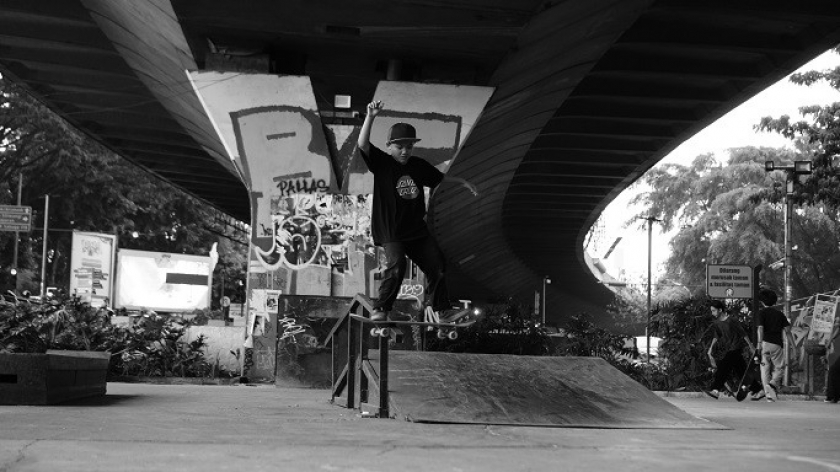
(351, 367)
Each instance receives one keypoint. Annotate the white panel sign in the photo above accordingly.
(162, 281)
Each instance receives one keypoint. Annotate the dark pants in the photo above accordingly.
(733, 364)
(428, 257)
(832, 392)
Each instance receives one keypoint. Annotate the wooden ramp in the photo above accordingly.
(574, 392)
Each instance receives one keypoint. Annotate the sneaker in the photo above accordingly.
(758, 396)
(830, 400)
(378, 316)
(771, 399)
(712, 393)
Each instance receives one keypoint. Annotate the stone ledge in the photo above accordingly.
(53, 377)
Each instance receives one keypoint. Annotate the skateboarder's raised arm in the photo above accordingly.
(373, 109)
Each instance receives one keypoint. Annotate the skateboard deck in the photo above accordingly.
(444, 329)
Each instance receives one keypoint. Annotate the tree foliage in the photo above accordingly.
(711, 208)
(93, 189)
(628, 310)
(818, 139)
(734, 213)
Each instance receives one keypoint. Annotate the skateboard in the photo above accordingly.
(743, 389)
(444, 329)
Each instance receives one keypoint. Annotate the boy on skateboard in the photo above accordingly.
(725, 350)
(398, 220)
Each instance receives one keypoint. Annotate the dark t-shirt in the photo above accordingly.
(399, 201)
(730, 336)
(774, 323)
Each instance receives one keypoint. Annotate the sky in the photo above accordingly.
(732, 130)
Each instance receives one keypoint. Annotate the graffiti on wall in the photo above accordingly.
(299, 219)
(316, 229)
(296, 332)
(283, 151)
(303, 226)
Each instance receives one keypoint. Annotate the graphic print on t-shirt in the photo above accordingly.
(406, 188)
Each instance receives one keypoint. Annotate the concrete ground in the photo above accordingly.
(246, 428)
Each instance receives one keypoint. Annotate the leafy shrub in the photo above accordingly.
(584, 338)
(152, 347)
(506, 328)
(200, 317)
(35, 328)
(685, 329)
(650, 374)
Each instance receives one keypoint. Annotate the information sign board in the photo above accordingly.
(729, 281)
(15, 218)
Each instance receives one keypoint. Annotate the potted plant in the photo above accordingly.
(52, 352)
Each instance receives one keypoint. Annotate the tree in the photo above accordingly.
(817, 136)
(93, 189)
(728, 215)
(628, 311)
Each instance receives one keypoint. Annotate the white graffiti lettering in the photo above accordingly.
(411, 290)
(291, 328)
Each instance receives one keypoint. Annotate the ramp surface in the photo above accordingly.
(578, 392)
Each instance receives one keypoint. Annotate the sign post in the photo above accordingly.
(15, 218)
(729, 281)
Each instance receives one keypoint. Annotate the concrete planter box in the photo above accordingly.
(54, 377)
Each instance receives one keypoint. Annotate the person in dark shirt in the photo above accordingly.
(725, 350)
(773, 329)
(398, 217)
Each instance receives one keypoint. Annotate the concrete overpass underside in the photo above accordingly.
(587, 96)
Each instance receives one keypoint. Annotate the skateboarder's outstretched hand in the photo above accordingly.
(375, 107)
(471, 187)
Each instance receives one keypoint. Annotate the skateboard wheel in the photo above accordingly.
(385, 332)
(374, 331)
(453, 335)
(441, 334)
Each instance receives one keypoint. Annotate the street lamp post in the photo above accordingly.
(650, 220)
(791, 171)
(545, 281)
(44, 250)
(17, 234)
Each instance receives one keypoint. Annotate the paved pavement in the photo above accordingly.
(246, 428)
